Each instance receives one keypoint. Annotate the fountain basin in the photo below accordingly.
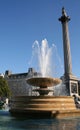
(43, 81)
(45, 106)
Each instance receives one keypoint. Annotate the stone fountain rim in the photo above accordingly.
(49, 81)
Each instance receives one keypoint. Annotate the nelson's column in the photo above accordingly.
(69, 79)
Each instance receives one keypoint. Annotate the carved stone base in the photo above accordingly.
(71, 83)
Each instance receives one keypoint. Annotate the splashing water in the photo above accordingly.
(61, 90)
(44, 57)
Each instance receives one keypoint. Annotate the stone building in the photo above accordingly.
(18, 84)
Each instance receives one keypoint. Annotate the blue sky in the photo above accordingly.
(24, 21)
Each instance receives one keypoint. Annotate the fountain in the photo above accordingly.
(43, 83)
(44, 105)
(44, 55)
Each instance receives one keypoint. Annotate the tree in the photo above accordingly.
(4, 88)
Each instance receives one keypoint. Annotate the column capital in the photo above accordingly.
(64, 16)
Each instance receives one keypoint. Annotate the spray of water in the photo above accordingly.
(44, 58)
(60, 90)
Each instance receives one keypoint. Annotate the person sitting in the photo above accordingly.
(77, 100)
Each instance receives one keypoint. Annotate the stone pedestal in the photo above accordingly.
(71, 84)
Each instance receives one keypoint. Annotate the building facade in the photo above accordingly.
(18, 82)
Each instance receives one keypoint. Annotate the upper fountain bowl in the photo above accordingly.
(43, 81)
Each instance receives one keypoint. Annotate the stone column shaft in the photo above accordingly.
(66, 48)
(66, 43)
